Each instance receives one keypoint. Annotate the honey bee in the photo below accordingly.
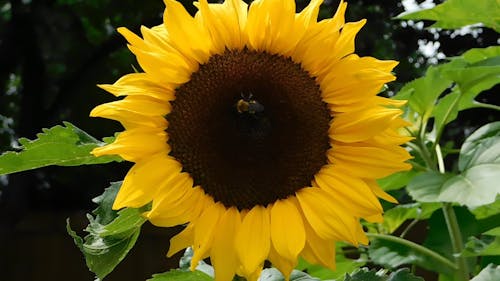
(248, 104)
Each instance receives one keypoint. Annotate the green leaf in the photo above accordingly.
(478, 54)
(364, 274)
(477, 184)
(457, 13)
(396, 180)
(489, 273)
(474, 79)
(474, 72)
(425, 90)
(426, 187)
(181, 275)
(486, 246)
(60, 145)
(111, 234)
(446, 109)
(104, 212)
(272, 274)
(479, 162)
(494, 231)
(475, 187)
(488, 210)
(392, 252)
(396, 216)
(404, 274)
(481, 147)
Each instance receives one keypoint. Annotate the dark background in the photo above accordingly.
(54, 52)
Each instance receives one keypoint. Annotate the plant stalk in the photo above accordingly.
(453, 227)
(416, 247)
(456, 241)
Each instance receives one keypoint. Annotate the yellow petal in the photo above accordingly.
(327, 220)
(191, 39)
(287, 229)
(369, 162)
(379, 192)
(204, 232)
(253, 239)
(351, 193)
(223, 23)
(135, 144)
(223, 254)
(345, 43)
(362, 124)
(182, 240)
(173, 204)
(139, 84)
(142, 105)
(144, 180)
(284, 265)
(318, 250)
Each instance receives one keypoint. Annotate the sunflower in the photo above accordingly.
(257, 128)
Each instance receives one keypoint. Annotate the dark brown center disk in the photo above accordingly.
(250, 128)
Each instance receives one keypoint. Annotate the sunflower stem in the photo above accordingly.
(456, 241)
(414, 246)
(453, 227)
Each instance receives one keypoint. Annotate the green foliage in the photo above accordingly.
(111, 234)
(477, 184)
(181, 275)
(457, 13)
(465, 76)
(371, 275)
(60, 145)
(392, 252)
(397, 180)
(396, 216)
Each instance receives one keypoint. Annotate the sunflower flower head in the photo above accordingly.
(257, 128)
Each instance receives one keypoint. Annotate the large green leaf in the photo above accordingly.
(475, 71)
(474, 187)
(477, 184)
(474, 79)
(489, 273)
(392, 252)
(481, 147)
(111, 234)
(457, 13)
(426, 187)
(479, 162)
(60, 145)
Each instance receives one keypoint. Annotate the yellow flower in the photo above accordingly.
(259, 129)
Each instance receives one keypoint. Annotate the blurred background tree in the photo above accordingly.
(52, 55)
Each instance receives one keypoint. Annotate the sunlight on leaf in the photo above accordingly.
(457, 13)
(489, 273)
